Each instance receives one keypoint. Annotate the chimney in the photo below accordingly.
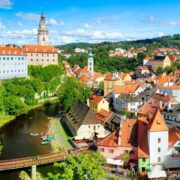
(120, 132)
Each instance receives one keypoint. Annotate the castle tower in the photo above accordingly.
(42, 38)
(91, 62)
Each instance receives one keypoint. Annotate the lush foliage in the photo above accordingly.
(71, 91)
(83, 166)
(19, 93)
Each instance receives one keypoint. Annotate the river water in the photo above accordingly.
(17, 141)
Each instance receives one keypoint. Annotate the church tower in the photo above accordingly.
(91, 62)
(42, 38)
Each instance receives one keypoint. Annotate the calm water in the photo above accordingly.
(17, 140)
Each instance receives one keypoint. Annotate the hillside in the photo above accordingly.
(165, 41)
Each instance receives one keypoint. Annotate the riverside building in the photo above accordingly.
(13, 63)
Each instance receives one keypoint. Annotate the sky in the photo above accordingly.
(88, 20)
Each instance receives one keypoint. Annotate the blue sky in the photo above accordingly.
(88, 20)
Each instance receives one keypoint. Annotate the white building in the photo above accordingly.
(80, 50)
(13, 63)
(83, 124)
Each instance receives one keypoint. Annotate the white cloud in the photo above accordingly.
(6, 4)
(65, 40)
(53, 22)
(88, 26)
(28, 16)
(2, 26)
(160, 34)
(19, 24)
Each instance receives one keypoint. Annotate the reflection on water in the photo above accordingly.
(17, 140)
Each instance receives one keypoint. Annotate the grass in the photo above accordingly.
(61, 134)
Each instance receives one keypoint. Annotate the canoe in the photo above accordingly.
(45, 142)
(34, 134)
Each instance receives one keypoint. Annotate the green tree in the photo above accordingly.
(71, 91)
(14, 105)
(159, 70)
(125, 157)
(87, 165)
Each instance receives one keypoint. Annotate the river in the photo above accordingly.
(17, 141)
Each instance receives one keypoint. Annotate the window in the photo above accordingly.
(159, 149)
(144, 160)
(102, 149)
(159, 159)
(159, 140)
(111, 151)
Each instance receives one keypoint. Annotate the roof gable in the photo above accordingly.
(158, 123)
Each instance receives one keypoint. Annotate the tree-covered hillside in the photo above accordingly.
(164, 41)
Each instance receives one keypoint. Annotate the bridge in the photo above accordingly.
(20, 163)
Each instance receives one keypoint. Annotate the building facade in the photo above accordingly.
(41, 55)
(13, 63)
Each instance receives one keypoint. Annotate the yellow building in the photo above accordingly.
(160, 61)
(115, 79)
(97, 103)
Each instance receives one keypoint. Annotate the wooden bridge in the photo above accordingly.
(20, 163)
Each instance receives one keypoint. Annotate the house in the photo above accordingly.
(120, 141)
(112, 79)
(41, 54)
(160, 61)
(109, 119)
(97, 103)
(13, 63)
(143, 71)
(172, 157)
(152, 139)
(134, 88)
(127, 102)
(83, 124)
(147, 61)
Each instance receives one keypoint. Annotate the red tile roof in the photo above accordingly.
(174, 136)
(96, 99)
(126, 137)
(103, 115)
(39, 49)
(9, 51)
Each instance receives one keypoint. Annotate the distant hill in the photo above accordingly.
(164, 41)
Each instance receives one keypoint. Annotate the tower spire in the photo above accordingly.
(42, 31)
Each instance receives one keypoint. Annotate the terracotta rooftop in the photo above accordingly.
(103, 115)
(128, 130)
(174, 136)
(96, 99)
(9, 51)
(39, 49)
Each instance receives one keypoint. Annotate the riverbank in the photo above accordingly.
(4, 119)
(61, 136)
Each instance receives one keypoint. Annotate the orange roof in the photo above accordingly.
(174, 136)
(174, 87)
(84, 78)
(148, 58)
(126, 137)
(163, 97)
(111, 140)
(11, 51)
(103, 115)
(128, 131)
(126, 89)
(85, 70)
(97, 75)
(96, 99)
(158, 123)
(40, 49)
